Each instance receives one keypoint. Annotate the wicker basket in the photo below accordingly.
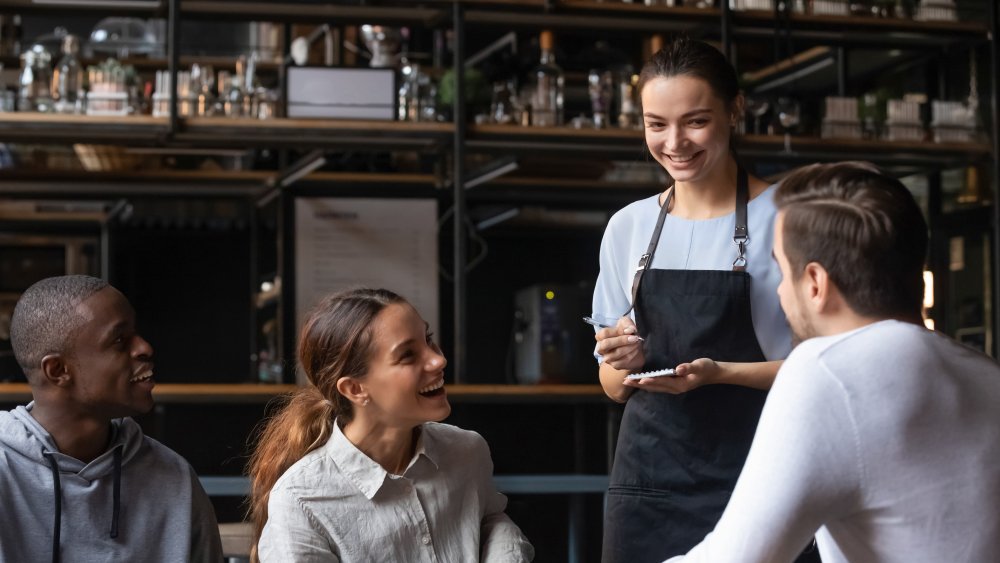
(106, 158)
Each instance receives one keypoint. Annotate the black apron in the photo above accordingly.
(678, 456)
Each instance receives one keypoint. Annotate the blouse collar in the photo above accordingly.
(367, 475)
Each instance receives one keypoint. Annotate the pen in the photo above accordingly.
(593, 322)
(599, 324)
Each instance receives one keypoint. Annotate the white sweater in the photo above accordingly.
(884, 442)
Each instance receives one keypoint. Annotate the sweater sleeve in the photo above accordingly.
(206, 545)
(803, 470)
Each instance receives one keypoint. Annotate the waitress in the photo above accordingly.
(693, 267)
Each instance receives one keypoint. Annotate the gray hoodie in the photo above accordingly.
(138, 501)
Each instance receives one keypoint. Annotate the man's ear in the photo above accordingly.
(352, 389)
(817, 289)
(55, 370)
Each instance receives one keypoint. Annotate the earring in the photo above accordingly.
(367, 400)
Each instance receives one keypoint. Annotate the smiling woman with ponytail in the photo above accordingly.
(363, 438)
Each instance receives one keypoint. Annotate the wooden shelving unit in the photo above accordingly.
(449, 143)
(216, 393)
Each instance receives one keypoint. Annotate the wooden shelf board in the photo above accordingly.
(535, 133)
(570, 183)
(157, 63)
(851, 22)
(810, 55)
(138, 8)
(628, 137)
(294, 125)
(313, 133)
(641, 9)
(875, 146)
(221, 176)
(34, 127)
(501, 3)
(199, 393)
(34, 118)
(298, 11)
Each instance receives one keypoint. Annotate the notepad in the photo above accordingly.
(657, 373)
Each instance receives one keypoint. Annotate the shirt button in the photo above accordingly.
(426, 540)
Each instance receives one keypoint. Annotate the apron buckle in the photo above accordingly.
(643, 260)
(740, 264)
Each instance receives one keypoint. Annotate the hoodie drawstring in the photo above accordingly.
(56, 532)
(117, 493)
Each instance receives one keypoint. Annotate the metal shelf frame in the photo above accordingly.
(453, 141)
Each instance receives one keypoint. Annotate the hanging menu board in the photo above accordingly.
(342, 243)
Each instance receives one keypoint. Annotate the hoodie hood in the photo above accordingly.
(137, 501)
(22, 435)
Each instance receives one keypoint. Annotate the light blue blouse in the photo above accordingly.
(695, 245)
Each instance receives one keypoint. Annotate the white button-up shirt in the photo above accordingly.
(337, 504)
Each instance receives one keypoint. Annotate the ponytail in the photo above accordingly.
(303, 424)
(335, 342)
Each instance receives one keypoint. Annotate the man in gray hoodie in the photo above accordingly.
(78, 480)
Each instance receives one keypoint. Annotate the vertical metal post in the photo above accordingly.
(943, 90)
(576, 523)
(286, 37)
(727, 36)
(173, 58)
(842, 71)
(458, 359)
(995, 140)
(286, 268)
(254, 226)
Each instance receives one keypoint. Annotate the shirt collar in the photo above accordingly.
(363, 472)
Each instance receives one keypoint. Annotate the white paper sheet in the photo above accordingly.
(373, 242)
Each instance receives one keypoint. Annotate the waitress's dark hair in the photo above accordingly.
(864, 228)
(684, 56)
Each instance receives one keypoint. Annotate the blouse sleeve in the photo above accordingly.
(290, 535)
(611, 298)
(501, 541)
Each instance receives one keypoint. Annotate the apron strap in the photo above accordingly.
(740, 235)
(647, 258)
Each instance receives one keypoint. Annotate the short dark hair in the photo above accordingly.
(685, 56)
(45, 320)
(863, 227)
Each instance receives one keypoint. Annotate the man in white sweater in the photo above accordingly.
(879, 436)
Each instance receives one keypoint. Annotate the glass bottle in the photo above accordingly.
(547, 100)
(600, 87)
(10, 35)
(34, 92)
(67, 77)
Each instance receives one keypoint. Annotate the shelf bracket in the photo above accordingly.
(491, 171)
(300, 169)
(497, 218)
(510, 39)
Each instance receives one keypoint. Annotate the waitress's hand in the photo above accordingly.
(620, 347)
(689, 376)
